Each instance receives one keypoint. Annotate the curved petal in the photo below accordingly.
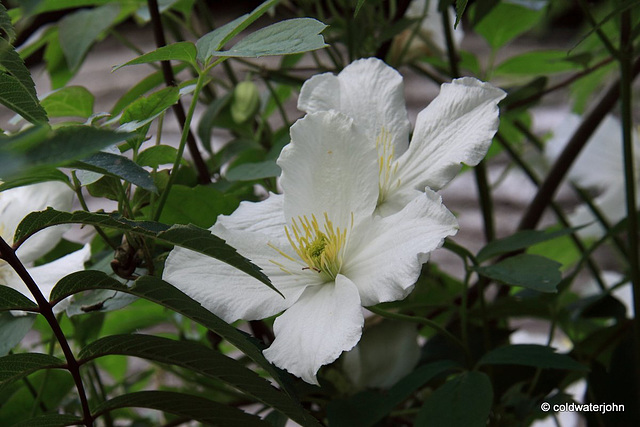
(47, 276)
(228, 292)
(385, 256)
(265, 217)
(324, 322)
(368, 91)
(329, 167)
(457, 127)
(17, 203)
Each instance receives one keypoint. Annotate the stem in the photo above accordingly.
(9, 255)
(178, 109)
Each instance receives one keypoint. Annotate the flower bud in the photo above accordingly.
(245, 102)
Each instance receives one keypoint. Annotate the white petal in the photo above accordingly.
(266, 217)
(367, 90)
(324, 322)
(17, 203)
(384, 257)
(228, 292)
(613, 206)
(457, 127)
(46, 276)
(329, 167)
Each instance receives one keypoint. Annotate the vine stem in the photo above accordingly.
(9, 255)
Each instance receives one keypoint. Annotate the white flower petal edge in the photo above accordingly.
(323, 323)
(385, 260)
(17, 203)
(265, 217)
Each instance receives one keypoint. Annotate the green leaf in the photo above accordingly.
(461, 5)
(538, 356)
(520, 240)
(6, 25)
(283, 38)
(209, 116)
(119, 167)
(17, 90)
(464, 401)
(199, 205)
(505, 22)
(10, 299)
(13, 329)
(50, 420)
(181, 51)
(16, 366)
(189, 237)
(538, 62)
(184, 405)
(367, 408)
(157, 155)
(530, 271)
(216, 39)
(36, 147)
(145, 109)
(197, 358)
(79, 30)
(253, 171)
(69, 101)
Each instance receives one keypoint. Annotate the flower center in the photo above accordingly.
(387, 166)
(319, 249)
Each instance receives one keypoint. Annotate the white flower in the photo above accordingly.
(430, 38)
(599, 166)
(320, 244)
(457, 127)
(17, 203)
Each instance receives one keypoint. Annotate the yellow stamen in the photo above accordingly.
(387, 166)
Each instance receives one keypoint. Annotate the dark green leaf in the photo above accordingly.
(13, 329)
(184, 405)
(520, 240)
(50, 420)
(181, 51)
(252, 171)
(70, 101)
(199, 359)
(190, 237)
(464, 401)
(10, 299)
(79, 30)
(144, 110)
(5, 25)
(119, 167)
(196, 205)
(367, 408)
(530, 271)
(461, 5)
(207, 120)
(538, 356)
(17, 90)
(505, 22)
(283, 38)
(538, 62)
(16, 366)
(34, 148)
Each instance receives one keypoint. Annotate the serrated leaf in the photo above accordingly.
(505, 22)
(184, 405)
(50, 420)
(119, 167)
(17, 90)
(464, 401)
(10, 299)
(6, 25)
(144, 110)
(180, 51)
(186, 236)
(79, 30)
(13, 329)
(520, 240)
(529, 271)
(216, 39)
(69, 101)
(286, 37)
(16, 366)
(252, 171)
(196, 358)
(538, 356)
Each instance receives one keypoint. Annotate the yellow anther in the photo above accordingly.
(387, 166)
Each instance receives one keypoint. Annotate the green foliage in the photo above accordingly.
(505, 22)
(530, 355)
(70, 101)
(530, 271)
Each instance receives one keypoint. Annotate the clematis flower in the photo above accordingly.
(600, 166)
(457, 127)
(430, 38)
(17, 203)
(320, 244)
